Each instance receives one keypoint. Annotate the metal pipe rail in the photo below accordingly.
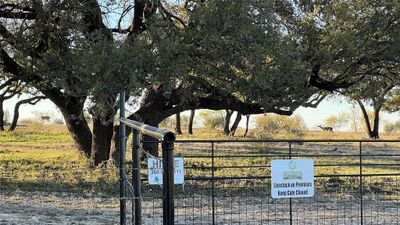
(155, 132)
(167, 139)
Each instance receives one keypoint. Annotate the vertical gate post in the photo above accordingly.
(136, 183)
(213, 181)
(168, 139)
(122, 133)
(168, 182)
(290, 199)
(361, 185)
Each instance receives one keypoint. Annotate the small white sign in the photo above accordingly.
(155, 172)
(292, 178)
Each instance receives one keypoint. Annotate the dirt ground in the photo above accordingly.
(24, 208)
(37, 208)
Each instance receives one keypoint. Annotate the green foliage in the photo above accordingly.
(212, 119)
(258, 51)
(247, 55)
(393, 102)
(270, 125)
(367, 29)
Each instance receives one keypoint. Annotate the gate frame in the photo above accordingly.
(167, 139)
(360, 156)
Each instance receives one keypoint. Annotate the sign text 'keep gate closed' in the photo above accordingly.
(292, 178)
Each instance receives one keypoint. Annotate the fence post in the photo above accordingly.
(136, 183)
(122, 200)
(168, 182)
(168, 139)
(361, 187)
(213, 181)
(290, 199)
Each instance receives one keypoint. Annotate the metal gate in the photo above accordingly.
(229, 182)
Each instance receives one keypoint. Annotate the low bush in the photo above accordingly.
(270, 125)
(392, 127)
(212, 119)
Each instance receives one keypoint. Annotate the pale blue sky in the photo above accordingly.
(312, 116)
(334, 106)
(46, 107)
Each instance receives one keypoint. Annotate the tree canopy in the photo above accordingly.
(249, 56)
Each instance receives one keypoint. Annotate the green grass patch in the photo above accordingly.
(43, 158)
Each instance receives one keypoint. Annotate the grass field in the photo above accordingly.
(43, 178)
(43, 158)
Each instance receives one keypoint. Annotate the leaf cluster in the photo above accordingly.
(260, 52)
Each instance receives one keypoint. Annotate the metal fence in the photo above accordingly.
(226, 182)
(229, 182)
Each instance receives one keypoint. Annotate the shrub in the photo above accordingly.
(337, 121)
(392, 127)
(270, 125)
(212, 119)
(59, 120)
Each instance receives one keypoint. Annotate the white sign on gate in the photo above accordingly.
(155, 172)
(292, 178)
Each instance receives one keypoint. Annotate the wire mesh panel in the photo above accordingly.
(380, 183)
(226, 182)
(229, 183)
(380, 200)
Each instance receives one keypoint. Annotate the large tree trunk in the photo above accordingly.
(15, 117)
(115, 148)
(366, 118)
(227, 121)
(235, 124)
(247, 125)
(375, 130)
(101, 142)
(72, 111)
(94, 146)
(191, 118)
(1, 116)
(372, 132)
(114, 151)
(79, 130)
(178, 128)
